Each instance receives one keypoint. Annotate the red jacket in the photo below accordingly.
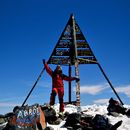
(57, 80)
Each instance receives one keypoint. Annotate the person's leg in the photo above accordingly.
(53, 95)
(61, 101)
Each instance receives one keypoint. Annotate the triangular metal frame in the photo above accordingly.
(73, 49)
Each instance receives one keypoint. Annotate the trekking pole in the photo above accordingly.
(33, 86)
(110, 83)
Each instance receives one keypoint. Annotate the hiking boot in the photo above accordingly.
(61, 115)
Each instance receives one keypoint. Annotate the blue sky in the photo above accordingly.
(29, 31)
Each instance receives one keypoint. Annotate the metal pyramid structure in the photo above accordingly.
(72, 45)
(73, 49)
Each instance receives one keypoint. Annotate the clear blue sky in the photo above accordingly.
(30, 29)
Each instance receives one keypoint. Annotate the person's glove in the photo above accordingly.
(77, 79)
(43, 61)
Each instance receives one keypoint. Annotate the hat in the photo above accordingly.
(59, 66)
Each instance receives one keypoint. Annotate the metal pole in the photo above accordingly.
(70, 70)
(76, 64)
(110, 83)
(33, 86)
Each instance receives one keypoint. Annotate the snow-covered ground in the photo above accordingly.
(93, 110)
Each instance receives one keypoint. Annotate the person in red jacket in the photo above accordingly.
(57, 84)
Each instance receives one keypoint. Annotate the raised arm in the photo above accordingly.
(48, 69)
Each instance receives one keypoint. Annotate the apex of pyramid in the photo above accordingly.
(71, 46)
(72, 16)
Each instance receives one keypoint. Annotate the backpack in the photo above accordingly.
(73, 119)
(115, 106)
(100, 122)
